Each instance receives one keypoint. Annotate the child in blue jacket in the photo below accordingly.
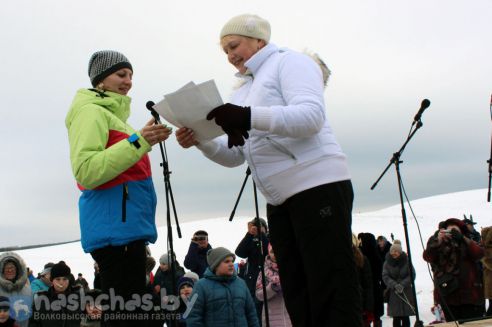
(223, 299)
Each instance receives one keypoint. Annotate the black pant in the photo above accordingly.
(122, 268)
(401, 321)
(312, 240)
(464, 311)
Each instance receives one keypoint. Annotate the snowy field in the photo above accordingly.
(429, 212)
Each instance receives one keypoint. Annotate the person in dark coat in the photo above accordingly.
(396, 275)
(365, 283)
(368, 247)
(487, 266)
(81, 282)
(453, 257)
(185, 289)
(474, 235)
(196, 258)
(164, 285)
(383, 247)
(97, 277)
(163, 275)
(250, 248)
(54, 307)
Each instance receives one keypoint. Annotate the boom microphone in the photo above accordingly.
(425, 104)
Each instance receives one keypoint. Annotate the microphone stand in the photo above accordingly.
(490, 159)
(248, 172)
(396, 161)
(262, 257)
(169, 200)
(490, 170)
(260, 237)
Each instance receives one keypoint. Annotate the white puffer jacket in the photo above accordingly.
(291, 147)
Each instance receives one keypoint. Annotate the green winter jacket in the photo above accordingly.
(118, 201)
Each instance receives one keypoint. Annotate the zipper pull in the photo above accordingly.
(123, 205)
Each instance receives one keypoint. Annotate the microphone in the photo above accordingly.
(150, 106)
(491, 106)
(425, 104)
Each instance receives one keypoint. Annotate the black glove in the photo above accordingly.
(236, 137)
(456, 235)
(229, 117)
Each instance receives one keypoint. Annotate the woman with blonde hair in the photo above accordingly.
(276, 122)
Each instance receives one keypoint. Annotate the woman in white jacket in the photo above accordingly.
(276, 121)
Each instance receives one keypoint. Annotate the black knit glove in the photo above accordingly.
(456, 235)
(236, 137)
(229, 117)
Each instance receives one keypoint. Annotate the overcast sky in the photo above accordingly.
(386, 57)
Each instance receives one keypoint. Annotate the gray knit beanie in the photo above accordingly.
(165, 259)
(247, 25)
(396, 247)
(217, 255)
(104, 63)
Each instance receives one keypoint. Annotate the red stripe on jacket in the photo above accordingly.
(139, 171)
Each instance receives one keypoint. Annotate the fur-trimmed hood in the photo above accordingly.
(21, 277)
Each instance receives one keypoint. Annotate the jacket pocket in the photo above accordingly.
(280, 147)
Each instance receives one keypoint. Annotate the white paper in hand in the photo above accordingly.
(189, 107)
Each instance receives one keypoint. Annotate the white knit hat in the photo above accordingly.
(247, 25)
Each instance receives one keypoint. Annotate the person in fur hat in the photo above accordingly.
(487, 265)
(14, 283)
(223, 299)
(396, 276)
(453, 257)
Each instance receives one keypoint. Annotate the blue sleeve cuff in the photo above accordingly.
(133, 139)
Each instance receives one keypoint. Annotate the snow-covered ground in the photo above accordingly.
(429, 212)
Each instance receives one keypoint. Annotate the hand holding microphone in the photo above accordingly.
(152, 132)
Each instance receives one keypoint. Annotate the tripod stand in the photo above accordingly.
(490, 160)
(169, 201)
(395, 160)
(257, 223)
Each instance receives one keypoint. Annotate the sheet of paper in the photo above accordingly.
(189, 107)
(165, 111)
